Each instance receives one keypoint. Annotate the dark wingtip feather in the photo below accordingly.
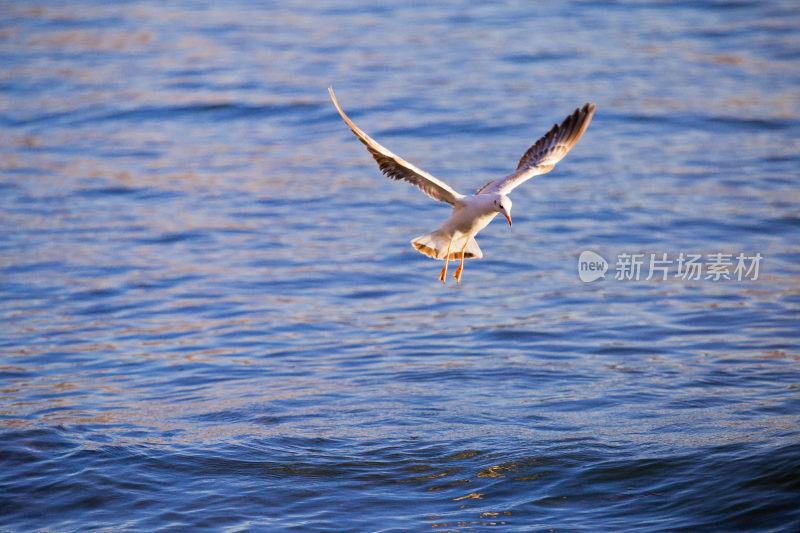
(568, 132)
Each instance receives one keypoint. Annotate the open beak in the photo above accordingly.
(509, 219)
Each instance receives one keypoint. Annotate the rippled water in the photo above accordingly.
(212, 317)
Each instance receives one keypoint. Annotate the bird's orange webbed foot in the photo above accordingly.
(443, 275)
(457, 274)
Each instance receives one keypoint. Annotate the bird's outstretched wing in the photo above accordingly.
(398, 168)
(542, 156)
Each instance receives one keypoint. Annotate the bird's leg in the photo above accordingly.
(461, 266)
(446, 258)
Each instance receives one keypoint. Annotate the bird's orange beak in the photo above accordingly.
(509, 219)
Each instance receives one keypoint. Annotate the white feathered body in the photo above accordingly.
(470, 215)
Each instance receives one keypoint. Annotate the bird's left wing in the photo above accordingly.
(398, 168)
(543, 156)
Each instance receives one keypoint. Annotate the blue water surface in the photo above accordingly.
(211, 317)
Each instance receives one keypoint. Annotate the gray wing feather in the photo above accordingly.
(398, 168)
(543, 156)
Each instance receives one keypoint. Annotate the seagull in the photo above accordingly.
(473, 213)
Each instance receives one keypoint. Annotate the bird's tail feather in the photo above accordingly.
(434, 245)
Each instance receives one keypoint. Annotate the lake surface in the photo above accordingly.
(211, 317)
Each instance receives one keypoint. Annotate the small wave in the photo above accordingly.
(219, 111)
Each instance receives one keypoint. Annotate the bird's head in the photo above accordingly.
(502, 204)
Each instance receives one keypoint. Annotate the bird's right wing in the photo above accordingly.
(398, 168)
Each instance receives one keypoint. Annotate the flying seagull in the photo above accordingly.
(473, 213)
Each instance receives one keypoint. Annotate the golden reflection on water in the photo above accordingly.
(137, 409)
(116, 406)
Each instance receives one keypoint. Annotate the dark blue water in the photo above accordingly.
(211, 317)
